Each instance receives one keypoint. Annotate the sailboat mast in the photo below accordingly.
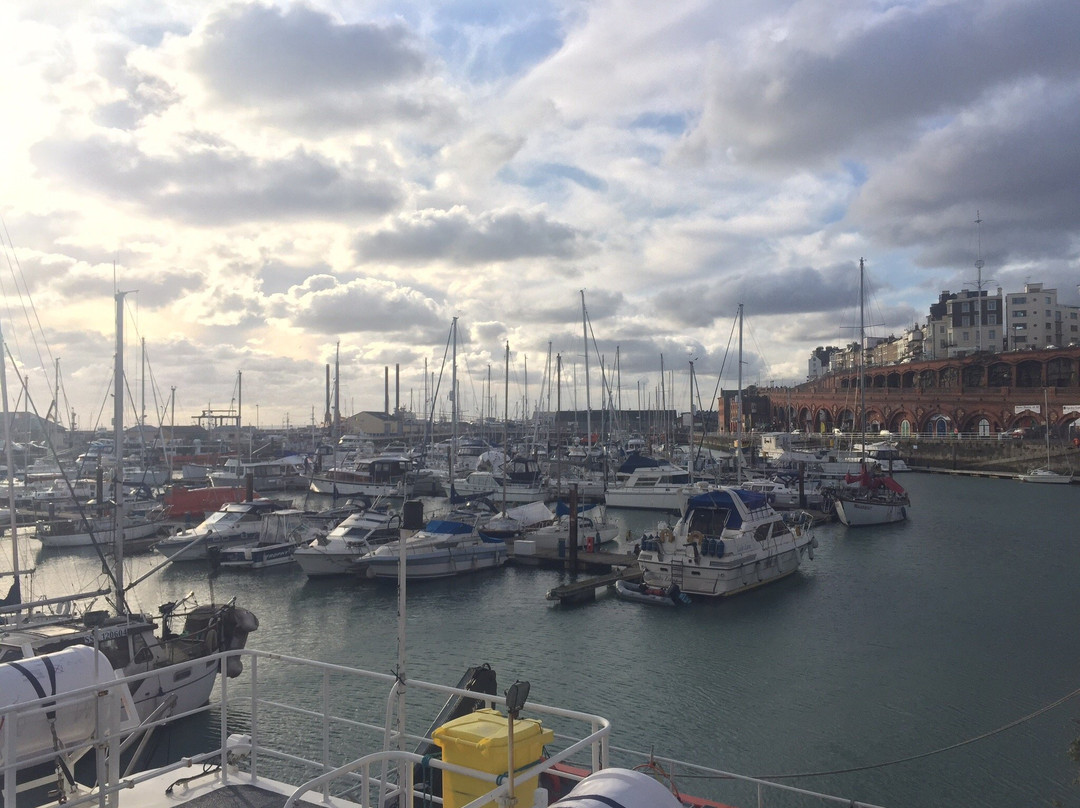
(588, 405)
(738, 405)
(118, 468)
(862, 349)
(506, 424)
(9, 459)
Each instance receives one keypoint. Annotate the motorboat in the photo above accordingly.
(284, 531)
(282, 474)
(728, 540)
(356, 534)
(650, 484)
(232, 525)
(381, 476)
(442, 549)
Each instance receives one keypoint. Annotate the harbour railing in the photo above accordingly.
(297, 726)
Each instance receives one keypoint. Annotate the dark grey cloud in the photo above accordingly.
(1014, 161)
(251, 54)
(794, 291)
(215, 186)
(800, 97)
(459, 237)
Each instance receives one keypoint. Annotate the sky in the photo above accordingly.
(279, 187)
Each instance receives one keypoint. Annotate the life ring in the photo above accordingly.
(696, 537)
(667, 534)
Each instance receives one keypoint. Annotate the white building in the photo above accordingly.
(1037, 320)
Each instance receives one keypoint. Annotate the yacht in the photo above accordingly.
(232, 525)
(657, 486)
(728, 540)
(444, 548)
(356, 534)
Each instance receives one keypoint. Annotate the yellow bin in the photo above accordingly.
(478, 741)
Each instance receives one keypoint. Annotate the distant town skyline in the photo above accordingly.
(276, 182)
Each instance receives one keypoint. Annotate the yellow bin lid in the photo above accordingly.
(486, 732)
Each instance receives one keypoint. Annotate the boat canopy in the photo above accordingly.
(447, 526)
(735, 500)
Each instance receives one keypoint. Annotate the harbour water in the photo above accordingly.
(894, 668)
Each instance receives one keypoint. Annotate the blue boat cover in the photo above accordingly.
(723, 500)
(446, 526)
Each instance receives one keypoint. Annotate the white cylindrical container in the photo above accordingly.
(50, 675)
(623, 787)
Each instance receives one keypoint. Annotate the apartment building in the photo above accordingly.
(1037, 320)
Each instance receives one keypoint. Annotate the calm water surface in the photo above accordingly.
(892, 643)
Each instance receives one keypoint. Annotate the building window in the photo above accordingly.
(1016, 300)
(965, 321)
(992, 334)
(991, 305)
(965, 336)
(1019, 314)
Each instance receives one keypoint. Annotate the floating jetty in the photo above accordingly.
(584, 590)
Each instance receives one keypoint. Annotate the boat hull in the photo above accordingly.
(859, 513)
(440, 563)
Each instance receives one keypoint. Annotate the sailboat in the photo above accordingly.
(1045, 474)
(182, 666)
(869, 497)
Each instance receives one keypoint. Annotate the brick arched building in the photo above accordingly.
(983, 393)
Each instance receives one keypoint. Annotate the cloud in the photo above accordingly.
(363, 306)
(819, 81)
(460, 237)
(210, 184)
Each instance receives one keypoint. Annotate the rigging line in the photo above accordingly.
(989, 734)
(24, 292)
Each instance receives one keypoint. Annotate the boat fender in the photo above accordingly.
(719, 548)
(810, 550)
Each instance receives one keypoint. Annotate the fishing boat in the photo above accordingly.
(727, 541)
(233, 524)
(640, 592)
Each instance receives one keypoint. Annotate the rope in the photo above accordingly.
(921, 755)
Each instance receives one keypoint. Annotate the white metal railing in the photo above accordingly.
(387, 770)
